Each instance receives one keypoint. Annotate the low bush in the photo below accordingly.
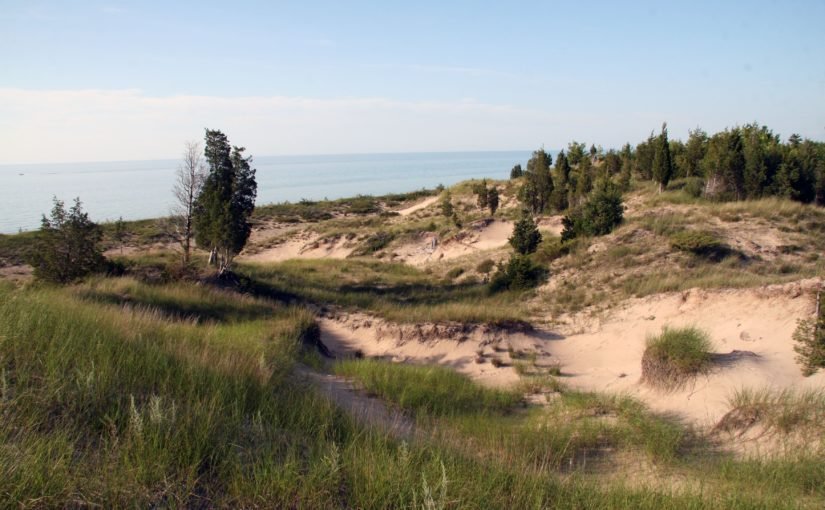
(455, 272)
(700, 243)
(674, 356)
(519, 273)
(602, 212)
(375, 242)
(485, 266)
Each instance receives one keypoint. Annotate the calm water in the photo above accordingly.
(142, 189)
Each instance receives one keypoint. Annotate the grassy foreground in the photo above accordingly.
(118, 393)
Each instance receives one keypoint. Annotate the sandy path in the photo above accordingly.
(419, 206)
(366, 410)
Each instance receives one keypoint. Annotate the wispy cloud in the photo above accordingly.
(98, 125)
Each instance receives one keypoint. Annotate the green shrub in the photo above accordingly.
(67, 246)
(520, 273)
(694, 186)
(675, 355)
(602, 212)
(455, 272)
(551, 249)
(485, 266)
(698, 242)
(526, 236)
(375, 242)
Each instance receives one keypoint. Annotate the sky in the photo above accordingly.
(114, 81)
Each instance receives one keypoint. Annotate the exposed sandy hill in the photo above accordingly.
(750, 329)
(303, 245)
(477, 237)
(419, 206)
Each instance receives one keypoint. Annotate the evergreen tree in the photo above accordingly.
(481, 194)
(526, 236)
(694, 152)
(447, 205)
(492, 200)
(226, 200)
(536, 192)
(119, 232)
(67, 246)
(584, 179)
(558, 199)
(575, 152)
(643, 160)
(662, 161)
(516, 172)
(627, 167)
(602, 211)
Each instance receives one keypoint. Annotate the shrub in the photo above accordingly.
(810, 339)
(674, 356)
(526, 236)
(520, 273)
(375, 242)
(602, 212)
(455, 273)
(485, 266)
(698, 242)
(67, 246)
(694, 186)
(551, 249)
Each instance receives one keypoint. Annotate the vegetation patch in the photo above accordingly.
(699, 242)
(781, 411)
(676, 355)
(429, 390)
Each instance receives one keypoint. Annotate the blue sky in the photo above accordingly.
(91, 81)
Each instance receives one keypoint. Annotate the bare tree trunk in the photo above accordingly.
(190, 177)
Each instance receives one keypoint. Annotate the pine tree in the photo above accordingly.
(536, 192)
(662, 162)
(516, 172)
(526, 236)
(67, 246)
(227, 199)
(492, 200)
(558, 199)
(447, 205)
(481, 194)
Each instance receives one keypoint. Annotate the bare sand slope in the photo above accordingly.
(481, 236)
(751, 331)
(419, 206)
(428, 344)
(301, 246)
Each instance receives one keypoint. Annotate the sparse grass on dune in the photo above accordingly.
(393, 291)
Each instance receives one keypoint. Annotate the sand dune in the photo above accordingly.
(750, 329)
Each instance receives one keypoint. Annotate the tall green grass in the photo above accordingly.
(133, 406)
(433, 390)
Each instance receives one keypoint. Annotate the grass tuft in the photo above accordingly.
(674, 356)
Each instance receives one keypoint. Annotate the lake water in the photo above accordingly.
(142, 189)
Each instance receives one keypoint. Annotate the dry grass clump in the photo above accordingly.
(675, 356)
(776, 411)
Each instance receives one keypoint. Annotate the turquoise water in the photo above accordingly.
(142, 189)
